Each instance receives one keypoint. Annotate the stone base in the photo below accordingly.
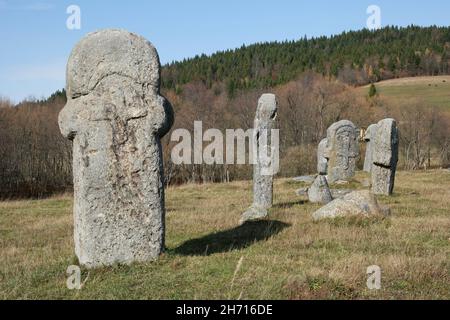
(382, 180)
(302, 192)
(341, 182)
(358, 203)
(340, 193)
(366, 183)
(254, 214)
(304, 179)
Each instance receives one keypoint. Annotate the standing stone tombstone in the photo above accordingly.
(265, 122)
(116, 117)
(319, 192)
(343, 150)
(368, 138)
(385, 157)
(322, 158)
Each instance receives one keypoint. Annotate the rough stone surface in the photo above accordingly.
(305, 179)
(361, 203)
(366, 182)
(385, 157)
(254, 213)
(116, 118)
(319, 192)
(368, 138)
(343, 150)
(340, 193)
(302, 192)
(341, 182)
(265, 121)
(322, 157)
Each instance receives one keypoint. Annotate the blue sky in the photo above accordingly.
(35, 42)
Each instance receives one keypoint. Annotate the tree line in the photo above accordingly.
(36, 160)
(355, 57)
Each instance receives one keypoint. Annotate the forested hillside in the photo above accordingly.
(313, 80)
(356, 57)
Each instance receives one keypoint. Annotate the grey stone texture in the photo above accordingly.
(322, 157)
(116, 117)
(319, 192)
(366, 182)
(368, 138)
(265, 121)
(358, 203)
(343, 150)
(302, 192)
(340, 193)
(304, 179)
(385, 157)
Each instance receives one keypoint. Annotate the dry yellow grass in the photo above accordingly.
(432, 91)
(210, 257)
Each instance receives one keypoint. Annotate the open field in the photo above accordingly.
(433, 91)
(210, 257)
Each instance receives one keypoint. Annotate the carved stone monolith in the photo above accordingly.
(263, 152)
(368, 138)
(385, 157)
(322, 158)
(116, 117)
(343, 151)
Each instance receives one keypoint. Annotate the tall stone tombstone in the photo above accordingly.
(116, 117)
(322, 158)
(368, 138)
(265, 122)
(385, 157)
(343, 150)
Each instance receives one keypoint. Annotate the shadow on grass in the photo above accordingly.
(233, 239)
(288, 205)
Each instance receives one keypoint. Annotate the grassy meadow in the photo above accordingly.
(209, 256)
(432, 91)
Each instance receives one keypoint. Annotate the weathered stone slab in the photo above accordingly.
(358, 203)
(366, 182)
(265, 122)
(319, 192)
(302, 192)
(116, 117)
(340, 193)
(385, 157)
(341, 182)
(254, 213)
(322, 157)
(305, 179)
(368, 138)
(343, 150)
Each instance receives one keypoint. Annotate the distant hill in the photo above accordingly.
(432, 91)
(310, 79)
(356, 58)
